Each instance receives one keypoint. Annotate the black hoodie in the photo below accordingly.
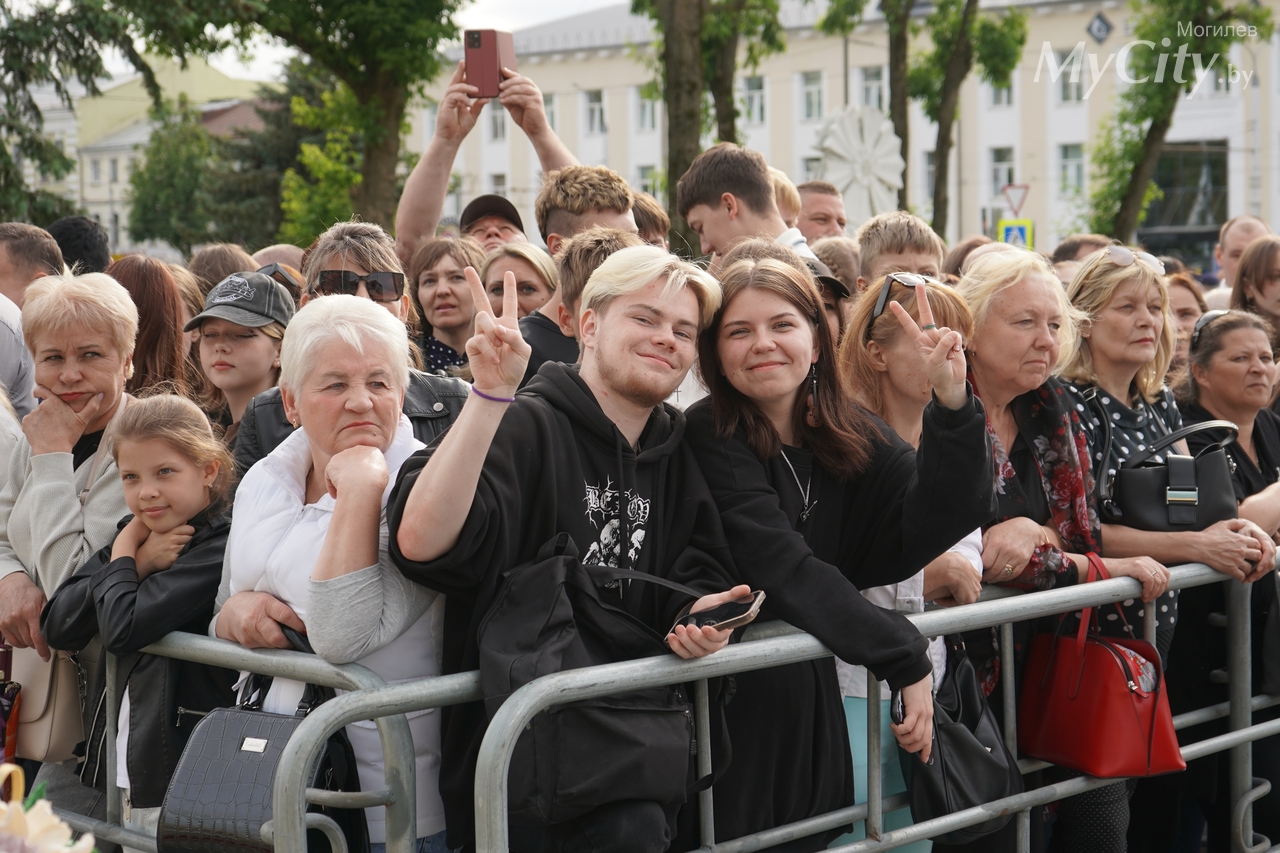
(558, 464)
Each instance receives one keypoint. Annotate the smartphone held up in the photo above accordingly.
(487, 52)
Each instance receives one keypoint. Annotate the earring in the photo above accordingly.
(811, 412)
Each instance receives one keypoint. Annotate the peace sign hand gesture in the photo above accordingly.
(497, 351)
(941, 351)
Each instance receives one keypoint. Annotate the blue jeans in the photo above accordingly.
(428, 844)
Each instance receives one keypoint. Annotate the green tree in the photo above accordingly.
(729, 23)
(383, 50)
(1124, 160)
(49, 47)
(319, 192)
(842, 18)
(961, 36)
(164, 190)
(241, 189)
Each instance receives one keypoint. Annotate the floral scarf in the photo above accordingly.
(1051, 428)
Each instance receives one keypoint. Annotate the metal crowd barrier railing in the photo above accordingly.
(763, 646)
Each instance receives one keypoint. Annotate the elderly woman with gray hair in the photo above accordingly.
(356, 259)
(308, 542)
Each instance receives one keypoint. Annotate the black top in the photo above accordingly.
(440, 357)
(546, 342)
(559, 465)
(84, 449)
(1023, 497)
(1247, 476)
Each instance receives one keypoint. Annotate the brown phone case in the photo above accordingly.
(487, 52)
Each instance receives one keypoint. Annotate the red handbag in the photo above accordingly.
(1097, 704)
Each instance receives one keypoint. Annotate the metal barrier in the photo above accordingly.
(763, 646)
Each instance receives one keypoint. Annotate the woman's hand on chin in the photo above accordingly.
(941, 351)
(53, 426)
(357, 469)
(497, 352)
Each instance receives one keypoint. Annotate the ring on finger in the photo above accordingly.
(1008, 569)
(930, 326)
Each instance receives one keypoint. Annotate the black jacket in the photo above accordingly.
(558, 464)
(431, 402)
(167, 697)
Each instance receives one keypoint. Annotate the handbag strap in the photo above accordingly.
(1101, 483)
(1176, 436)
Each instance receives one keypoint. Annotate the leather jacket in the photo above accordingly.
(167, 697)
(431, 402)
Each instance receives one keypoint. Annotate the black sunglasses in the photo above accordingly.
(382, 286)
(907, 279)
(284, 277)
(1205, 319)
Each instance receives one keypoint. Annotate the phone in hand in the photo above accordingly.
(897, 708)
(487, 52)
(727, 616)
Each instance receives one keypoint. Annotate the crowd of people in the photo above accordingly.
(360, 440)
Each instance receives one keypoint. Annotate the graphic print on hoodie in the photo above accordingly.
(606, 515)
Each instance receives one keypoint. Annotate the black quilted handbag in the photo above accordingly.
(1183, 493)
(220, 793)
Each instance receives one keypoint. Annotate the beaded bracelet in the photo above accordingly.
(485, 396)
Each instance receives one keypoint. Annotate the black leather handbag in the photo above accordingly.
(1182, 493)
(970, 764)
(220, 793)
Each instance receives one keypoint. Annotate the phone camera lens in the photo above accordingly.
(473, 39)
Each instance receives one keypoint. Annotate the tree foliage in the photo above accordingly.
(164, 190)
(725, 28)
(961, 37)
(1123, 162)
(318, 192)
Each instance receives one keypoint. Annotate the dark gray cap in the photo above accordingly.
(247, 299)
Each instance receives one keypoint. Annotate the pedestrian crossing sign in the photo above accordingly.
(1016, 232)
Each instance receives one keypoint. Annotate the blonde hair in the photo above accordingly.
(635, 267)
(532, 255)
(864, 382)
(785, 194)
(993, 274)
(358, 322)
(1091, 289)
(96, 301)
(894, 233)
(179, 423)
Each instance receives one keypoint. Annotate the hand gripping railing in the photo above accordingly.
(776, 644)
(289, 799)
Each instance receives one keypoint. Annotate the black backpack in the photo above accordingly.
(548, 616)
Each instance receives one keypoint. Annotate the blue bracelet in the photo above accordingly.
(485, 396)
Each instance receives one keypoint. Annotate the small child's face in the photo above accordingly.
(161, 485)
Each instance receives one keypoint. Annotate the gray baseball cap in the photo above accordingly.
(248, 299)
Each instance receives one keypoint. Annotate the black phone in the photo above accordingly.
(897, 708)
(727, 616)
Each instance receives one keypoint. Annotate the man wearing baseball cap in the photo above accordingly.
(492, 221)
(241, 328)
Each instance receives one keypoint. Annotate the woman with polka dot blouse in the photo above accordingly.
(1127, 342)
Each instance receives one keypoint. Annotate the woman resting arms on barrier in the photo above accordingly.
(1231, 371)
(176, 478)
(879, 363)
(819, 499)
(308, 545)
(1047, 520)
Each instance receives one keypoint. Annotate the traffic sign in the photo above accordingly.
(1016, 195)
(1017, 232)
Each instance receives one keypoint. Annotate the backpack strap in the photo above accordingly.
(606, 572)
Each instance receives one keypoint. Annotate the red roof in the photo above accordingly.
(235, 119)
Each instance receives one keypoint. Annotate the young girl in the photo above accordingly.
(161, 574)
(241, 329)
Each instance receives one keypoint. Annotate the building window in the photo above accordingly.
(549, 106)
(873, 87)
(930, 174)
(812, 83)
(812, 168)
(1001, 169)
(115, 228)
(498, 185)
(95, 170)
(753, 110)
(1072, 79)
(648, 180)
(497, 121)
(648, 117)
(1071, 170)
(595, 112)
(1002, 96)
(113, 168)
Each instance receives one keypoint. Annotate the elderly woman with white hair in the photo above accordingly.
(308, 543)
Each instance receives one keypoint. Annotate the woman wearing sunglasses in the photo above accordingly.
(1047, 520)
(1231, 371)
(357, 259)
(818, 500)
